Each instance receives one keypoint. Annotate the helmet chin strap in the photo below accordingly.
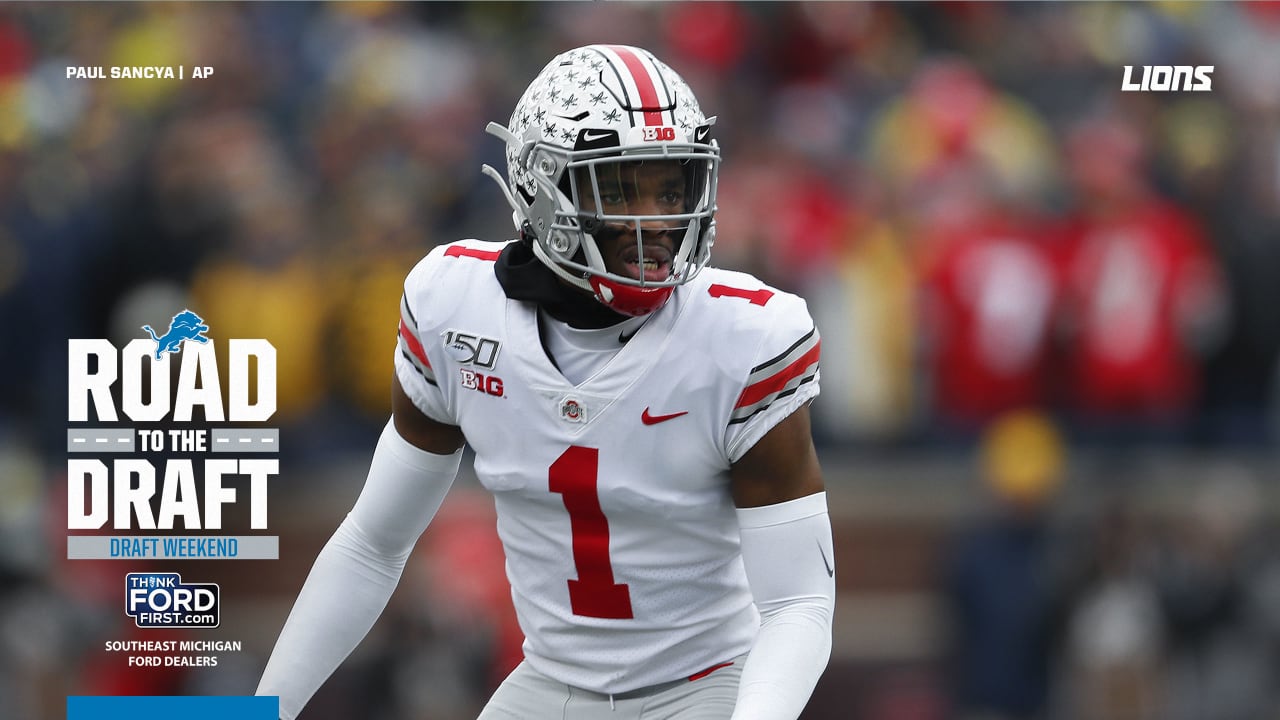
(555, 267)
(629, 299)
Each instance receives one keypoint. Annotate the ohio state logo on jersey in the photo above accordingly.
(487, 384)
(571, 410)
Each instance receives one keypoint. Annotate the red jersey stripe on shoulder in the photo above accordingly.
(758, 391)
(415, 347)
(463, 251)
(644, 83)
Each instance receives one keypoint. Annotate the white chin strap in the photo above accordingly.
(576, 280)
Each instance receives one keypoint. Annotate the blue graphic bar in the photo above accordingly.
(189, 707)
(173, 547)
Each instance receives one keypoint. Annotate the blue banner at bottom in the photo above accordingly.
(178, 707)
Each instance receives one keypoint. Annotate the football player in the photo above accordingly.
(640, 418)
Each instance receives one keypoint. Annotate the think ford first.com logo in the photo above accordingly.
(162, 600)
(1168, 78)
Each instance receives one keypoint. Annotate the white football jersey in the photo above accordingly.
(612, 495)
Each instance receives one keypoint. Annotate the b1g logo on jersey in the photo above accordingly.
(162, 600)
(469, 349)
(487, 384)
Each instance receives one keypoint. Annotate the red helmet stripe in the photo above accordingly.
(644, 83)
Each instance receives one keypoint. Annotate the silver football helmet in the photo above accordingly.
(609, 143)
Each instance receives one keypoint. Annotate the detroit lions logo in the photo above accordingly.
(186, 325)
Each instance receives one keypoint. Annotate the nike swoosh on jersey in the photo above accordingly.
(648, 419)
(830, 570)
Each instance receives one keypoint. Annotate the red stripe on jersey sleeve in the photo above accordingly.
(644, 83)
(415, 347)
(460, 251)
(758, 391)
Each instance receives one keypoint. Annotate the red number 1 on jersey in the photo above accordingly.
(594, 594)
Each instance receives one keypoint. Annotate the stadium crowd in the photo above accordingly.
(981, 220)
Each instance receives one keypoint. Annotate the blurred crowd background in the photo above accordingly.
(1050, 417)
